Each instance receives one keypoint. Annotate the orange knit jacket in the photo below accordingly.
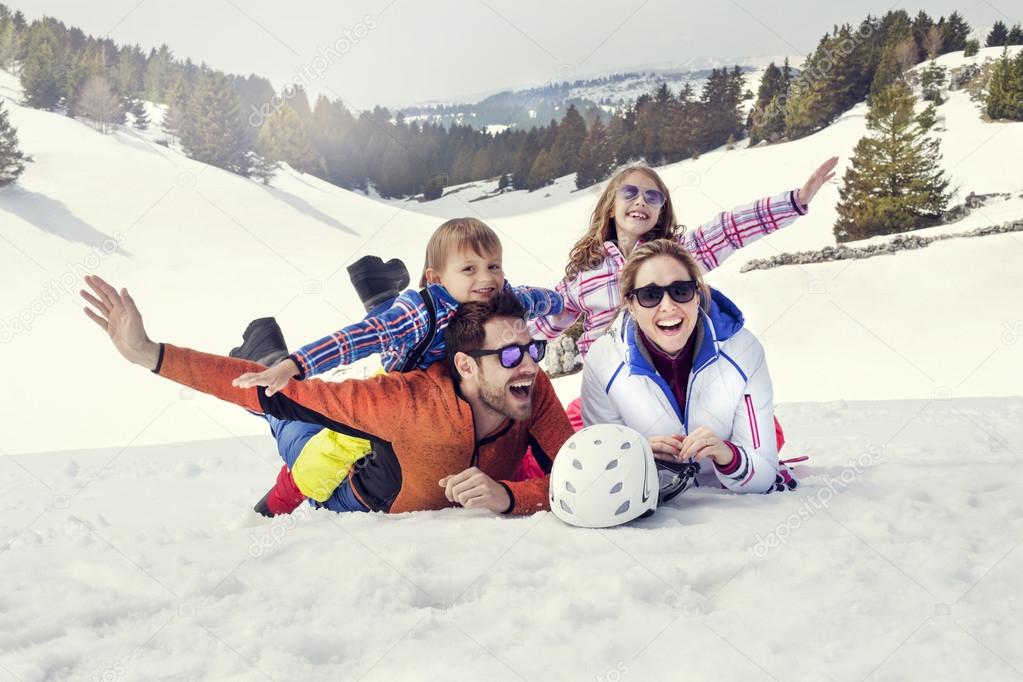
(425, 426)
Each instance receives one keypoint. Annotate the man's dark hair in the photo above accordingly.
(466, 330)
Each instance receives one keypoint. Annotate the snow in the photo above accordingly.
(898, 557)
(128, 552)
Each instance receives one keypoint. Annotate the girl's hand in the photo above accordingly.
(701, 443)
(274, 378)
(808, 191)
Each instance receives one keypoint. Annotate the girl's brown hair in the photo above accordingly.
(664, 247)
(588, 252)
(455, 235)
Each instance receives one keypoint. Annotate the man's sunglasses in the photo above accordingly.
(651, 295)
(651, 196)
(512, 354)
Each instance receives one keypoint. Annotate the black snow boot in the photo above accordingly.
(376, 281)
(262, 342)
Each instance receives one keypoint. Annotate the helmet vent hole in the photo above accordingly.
(569, 487)
(571, 446)
(621, 510)
(564, 505)
(598, 442)
(577, 464)
(626, 445)
(613, 464)
(617, 488)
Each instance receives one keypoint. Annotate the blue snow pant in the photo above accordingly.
(291, 437)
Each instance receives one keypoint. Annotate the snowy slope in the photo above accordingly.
(205, 251)
(898, 559)
(126, 553)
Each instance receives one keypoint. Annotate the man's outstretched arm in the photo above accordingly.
(354, 407)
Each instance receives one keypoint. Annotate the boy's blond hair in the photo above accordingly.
(458, 235)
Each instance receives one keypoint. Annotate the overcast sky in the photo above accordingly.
(404, 51)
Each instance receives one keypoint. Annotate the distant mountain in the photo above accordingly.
(538, 105)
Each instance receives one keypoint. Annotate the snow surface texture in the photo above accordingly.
(125, 553)
(898, 558)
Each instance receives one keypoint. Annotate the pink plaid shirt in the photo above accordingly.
(596, 294)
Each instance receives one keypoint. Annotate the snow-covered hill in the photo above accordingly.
(205, 251)
(126, 554)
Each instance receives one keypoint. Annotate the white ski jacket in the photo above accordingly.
(729, 391)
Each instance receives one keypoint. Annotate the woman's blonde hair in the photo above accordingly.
(458, 235)
(588, 252)
(672, 249)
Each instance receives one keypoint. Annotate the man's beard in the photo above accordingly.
(497, 399)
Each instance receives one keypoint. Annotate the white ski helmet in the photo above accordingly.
(603, 476)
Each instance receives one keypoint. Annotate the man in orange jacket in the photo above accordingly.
(453, 434)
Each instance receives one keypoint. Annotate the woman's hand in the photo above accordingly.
(701, 443)
(808, 191)
(274, 378)
(667, 447)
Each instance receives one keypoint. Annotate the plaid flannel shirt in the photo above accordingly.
(397, 331)
(596, 294)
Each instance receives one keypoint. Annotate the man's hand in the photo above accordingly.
(825, 172)
(274, 378)
(120, 318)
(474, 489)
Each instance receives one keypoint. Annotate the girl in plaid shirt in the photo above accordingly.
(635, 207)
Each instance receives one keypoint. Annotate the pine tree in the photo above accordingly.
(283, 138)
(12, 161)
(10, 43)
(932, 79)
(139, 115)
(177, 99)
(571, 134)
(955, 33)
(889, 70)
(98, 103)
(972, 47)
(895, 182)
(1015, 35)
(999, 35)
(44, 73)
(1005, 88)
(211, 129)
(765, 121)
(260, 168)
(158, 76)
(923, 28)
(595, 157)
(543, 171)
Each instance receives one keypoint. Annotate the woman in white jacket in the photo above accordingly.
(680, 368)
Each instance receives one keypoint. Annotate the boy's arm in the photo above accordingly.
(538, 301)
(402, 326)
(551, 325)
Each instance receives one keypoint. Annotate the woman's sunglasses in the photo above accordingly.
(511, 355)
(651, 196)
(651, 295)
